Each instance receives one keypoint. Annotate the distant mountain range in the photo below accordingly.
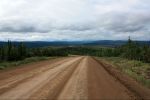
(107, 43)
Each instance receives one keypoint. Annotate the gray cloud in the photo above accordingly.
(21, 29)
(128, 22)
(74, 19)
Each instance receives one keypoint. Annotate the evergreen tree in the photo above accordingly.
(9, 47)
(22, 51)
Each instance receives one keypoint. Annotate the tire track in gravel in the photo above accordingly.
(90, 81)
(76, 87)
(26, 88)
(75, 78)
(15, 80)
(53, 87)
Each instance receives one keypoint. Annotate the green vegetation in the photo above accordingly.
(14, 55)
(131, 50)
(134, 51)
(8, 64)
(91, 51)
(11, 52)
(136, 69)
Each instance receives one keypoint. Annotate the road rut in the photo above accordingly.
(72, 78)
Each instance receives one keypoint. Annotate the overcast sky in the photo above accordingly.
(51, 20)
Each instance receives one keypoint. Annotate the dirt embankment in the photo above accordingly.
(75, 78)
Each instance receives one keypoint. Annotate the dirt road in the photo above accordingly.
(72, 78)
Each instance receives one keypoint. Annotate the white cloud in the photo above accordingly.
(74, 19)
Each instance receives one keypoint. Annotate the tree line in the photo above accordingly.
(130, 50)
(134, 51)
(12, 52)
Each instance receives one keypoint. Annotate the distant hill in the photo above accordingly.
(45, 43)
(114, 42)
(107, 43)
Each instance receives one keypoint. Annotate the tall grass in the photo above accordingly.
(136, 69)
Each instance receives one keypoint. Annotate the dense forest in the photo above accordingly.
(12, 52)
(130, 50)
